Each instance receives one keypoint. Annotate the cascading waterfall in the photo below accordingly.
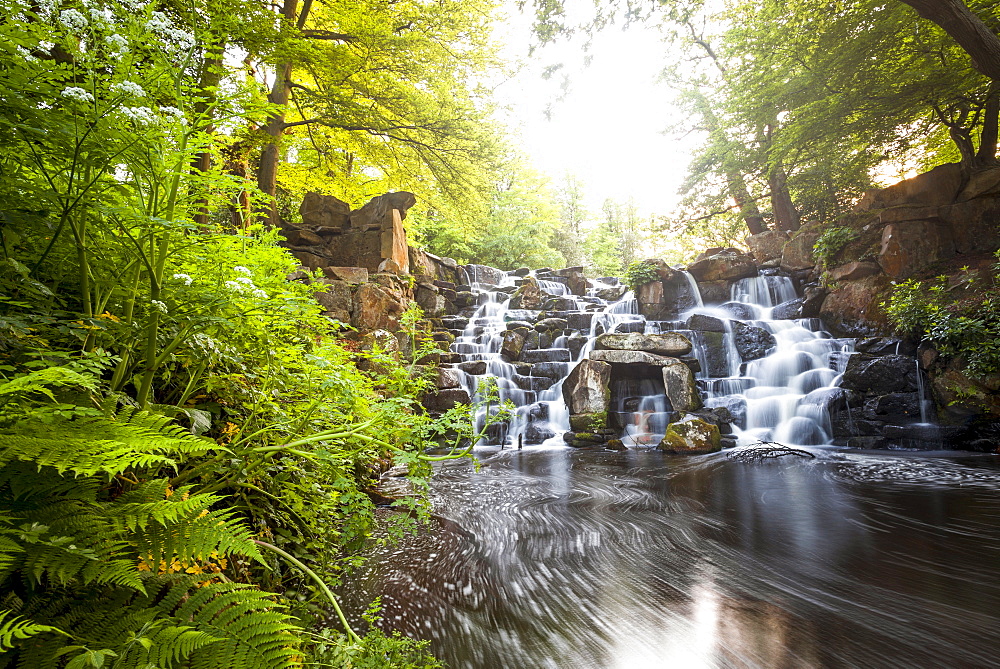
(778, 397)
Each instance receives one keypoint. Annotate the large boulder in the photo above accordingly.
(705, 323)
(726, 265)
(336, 300)
(880, 375)
(680, 387)
(691, 436)
(586, 388)
(788, 310)
(798, 252)
(854, 306)
(768, 245)
(575, 280)
(513, 344)
(617, 357)
(324, 213)
(446, 399)
(668, 295)
(377, 307)
(853, 271)
(909, 246)
(669, 343)
(935, 188)
(751, 341)
(894, 408)
(529, 296)
(974, 225)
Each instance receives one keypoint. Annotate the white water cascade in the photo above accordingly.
(782, 396)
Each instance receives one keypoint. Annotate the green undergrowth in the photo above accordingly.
(959, 314)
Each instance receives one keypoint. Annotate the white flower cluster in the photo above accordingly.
(245, 285)
(186, 278)
(72, 19)
(117, 43)
(175, 112)
(129, 88)
(243, 270)
(164, 27)
(141, 115)
(77, 93)
(101, 17)
(46, 8)
(159, 306)
(205, 343)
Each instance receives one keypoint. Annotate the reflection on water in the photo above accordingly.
(571, 559)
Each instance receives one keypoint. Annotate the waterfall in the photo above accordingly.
(781, 396)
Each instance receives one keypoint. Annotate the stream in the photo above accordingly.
(564, 558)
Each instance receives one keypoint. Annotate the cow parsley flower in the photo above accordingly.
(186, 278)
(242, 270)
(101, 17)
(163, 26)
(129, 88)
(175, 112)
(117, 43)
(159, 306)
(72, 19)
(77, 93)
(141, 115)
(238, 287)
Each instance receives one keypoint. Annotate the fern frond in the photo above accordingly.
(208, 535)
(15, 627)
(100, 446)
(257, 634)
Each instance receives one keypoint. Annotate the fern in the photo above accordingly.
(14, 627)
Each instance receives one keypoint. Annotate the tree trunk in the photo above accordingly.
(748, 206)
(987, 154)
(211, 75)
(270, 155)
(956, 19)
(786, 217)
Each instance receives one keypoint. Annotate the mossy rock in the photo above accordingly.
(691, 436)
(588, 422)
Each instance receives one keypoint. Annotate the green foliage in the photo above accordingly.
(830, 242)
(639, 273)
(959, 319)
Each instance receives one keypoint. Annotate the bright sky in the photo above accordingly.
(608, 129)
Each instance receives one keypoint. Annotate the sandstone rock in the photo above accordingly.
(445, 400)
(376, 307)
(580, 321)
(575, 280)
(798, 251)
(974, 225)
(812, 301)
(662, 300)
(473, 367)
(546, 355)
(586, 388)
(619, 357)
(727, 265)
(894, 408)
(392, 240)
(981, 183)
(430, 300)
(691, 436)
(551, 324)
(751, 341)
(448, 378)
(880, 375)
(485, 275)
(324, 211)
(379, 340)
(336, 300)
(611, 293)
(853, 271)
(681, 390)
(716, 356)
(788, 310)
(910, 246)
(536, 434)
(705, 323)
(669, 343)
(940, 186)
(529, 296)
(767, 245)
(854, 305)
(300, 237)
(550, 370)
(373, 215)
(740, 310)
(715, 292)
(309, 259)
(353, 275)
(513, 344)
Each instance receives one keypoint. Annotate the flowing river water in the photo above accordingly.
(554, 557)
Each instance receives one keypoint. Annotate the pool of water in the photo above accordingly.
(582, 559)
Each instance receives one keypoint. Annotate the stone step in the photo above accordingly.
(546, 355)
